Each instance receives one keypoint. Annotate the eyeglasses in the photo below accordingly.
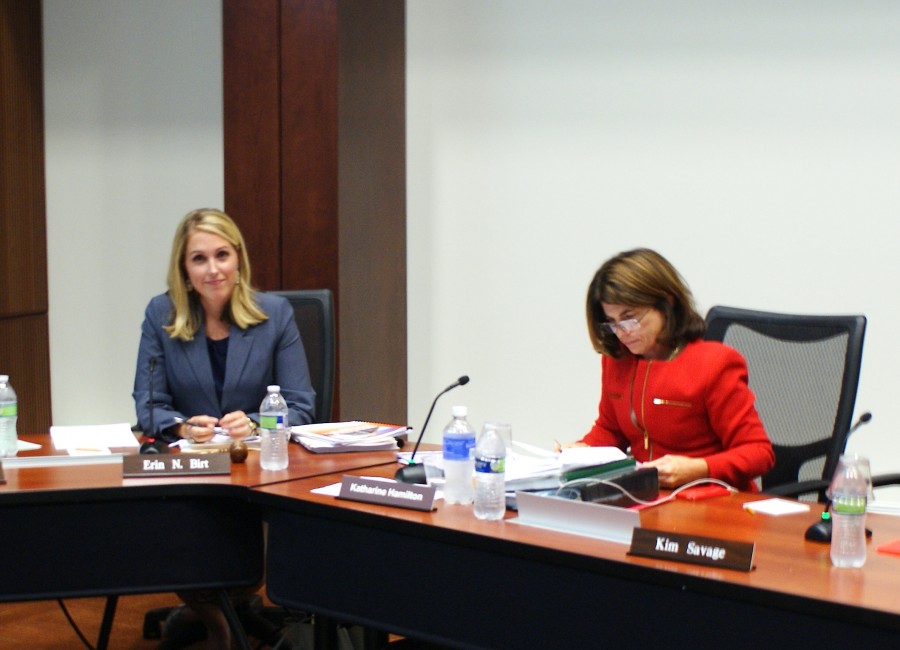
(627, 326)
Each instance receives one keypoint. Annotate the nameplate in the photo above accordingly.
(693, 549)
(183, 464)
(388, 493)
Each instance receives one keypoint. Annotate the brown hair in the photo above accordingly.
(186, 312)
(642, 278)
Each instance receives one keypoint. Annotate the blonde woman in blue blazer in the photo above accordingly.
(213, 344)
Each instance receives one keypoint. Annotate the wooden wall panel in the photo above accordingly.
(251, 81)
(309, 136)
(334, 184)
(25, 357)
(372, 199)
(23, 244)
(24, 338)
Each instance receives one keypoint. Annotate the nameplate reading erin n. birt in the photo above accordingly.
(693, 549)
(388, 493)
(184, 464)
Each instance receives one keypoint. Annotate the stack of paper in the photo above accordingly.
(547, 473)
(527, 473)
(92, 439)
(576, 457)
(338, 437)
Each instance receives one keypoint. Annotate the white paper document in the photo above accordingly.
(92, 439)
(331, 437)
(574, 457)
(776, 507)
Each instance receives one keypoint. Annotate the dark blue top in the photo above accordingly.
(218, 356)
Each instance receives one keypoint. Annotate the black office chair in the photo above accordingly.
(804, 371)
(314, 313)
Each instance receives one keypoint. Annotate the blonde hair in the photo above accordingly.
(186, 315)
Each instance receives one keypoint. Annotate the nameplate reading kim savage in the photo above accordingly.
(693, 549)
(184, 464)
(387, 493)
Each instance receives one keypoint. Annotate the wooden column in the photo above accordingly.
(24, 338)
(315, 172)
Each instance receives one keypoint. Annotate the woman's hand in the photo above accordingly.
(577, 443)
(678, 470)
(198, 428)
(237, 423)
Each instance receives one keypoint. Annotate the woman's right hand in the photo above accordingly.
(198, 428)
(577, 443)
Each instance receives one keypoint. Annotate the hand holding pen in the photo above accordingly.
(200, 428)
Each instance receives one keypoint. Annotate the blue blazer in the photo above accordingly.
(183, 386)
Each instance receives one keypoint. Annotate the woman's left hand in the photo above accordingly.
(678, 470)
(237, 423)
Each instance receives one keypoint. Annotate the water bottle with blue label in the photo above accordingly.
(459, 464)
(490, 471)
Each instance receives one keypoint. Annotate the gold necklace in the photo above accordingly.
(634, 420)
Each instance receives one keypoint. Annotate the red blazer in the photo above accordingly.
(698, 404)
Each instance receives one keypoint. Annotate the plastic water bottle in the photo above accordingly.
(490, 475)
(459, 441)
(848, 491)
(9, 414)
(273, 430)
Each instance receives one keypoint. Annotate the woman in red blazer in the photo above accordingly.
(677, 402)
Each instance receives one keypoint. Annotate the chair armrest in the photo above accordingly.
(798, 488)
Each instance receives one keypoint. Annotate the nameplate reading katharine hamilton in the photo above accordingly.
(387, 493)
(692, 549)
(184, 464)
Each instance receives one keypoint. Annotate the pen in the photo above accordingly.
(216, 429)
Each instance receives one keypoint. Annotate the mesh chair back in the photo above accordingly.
(314, 313)
(804, 371)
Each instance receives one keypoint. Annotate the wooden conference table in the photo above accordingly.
(79, 530)
(444, 576)
(447, 577)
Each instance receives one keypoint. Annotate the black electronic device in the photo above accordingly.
(642, 483)
(820, 531)
(151, 444)
(415, 473)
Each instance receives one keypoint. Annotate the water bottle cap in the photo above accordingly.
(460, 411)
(4, 379)
(273, 388)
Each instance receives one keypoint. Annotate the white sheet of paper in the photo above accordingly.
(571, 457)
(93, 437)
(24, 445)
(776, 507)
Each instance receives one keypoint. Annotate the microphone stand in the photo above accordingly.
(415, 473)
(150, 445)
(821, 530)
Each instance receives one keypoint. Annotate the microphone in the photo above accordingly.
(151, 445)
(863, 419)
(413, 473)
(821, 530)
